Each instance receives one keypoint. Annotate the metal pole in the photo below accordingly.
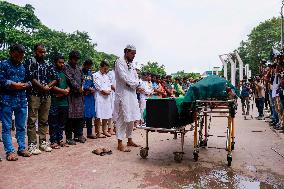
(225, 67)
(282, 25)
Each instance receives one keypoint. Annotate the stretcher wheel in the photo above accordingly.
(229, 159)
(144, 153)
(178, 156)
(195, 156)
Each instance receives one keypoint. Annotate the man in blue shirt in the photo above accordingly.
(13, 99)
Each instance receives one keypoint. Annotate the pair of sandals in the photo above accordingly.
(102, 151)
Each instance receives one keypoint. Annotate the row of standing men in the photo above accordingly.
(64, 97)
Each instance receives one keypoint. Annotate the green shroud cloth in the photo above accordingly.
(210, 87)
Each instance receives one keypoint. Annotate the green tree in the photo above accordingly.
(260, 42)
(182, 74)
(153, 68)
(20, 25)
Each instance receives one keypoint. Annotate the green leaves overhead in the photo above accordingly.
(260, 42)
(20, 25)
(153, 68)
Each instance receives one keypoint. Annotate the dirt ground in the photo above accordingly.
(257, 163)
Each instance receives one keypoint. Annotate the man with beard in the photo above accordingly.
(126, 107)
(13, 99)
(75, 121)
(58, 113)
(43, 77)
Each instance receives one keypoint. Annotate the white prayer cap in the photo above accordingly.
(131, 47)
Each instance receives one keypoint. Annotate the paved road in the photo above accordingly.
(255, 165)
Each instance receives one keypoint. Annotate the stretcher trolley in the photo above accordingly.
(178, 156)
(162, 116)
(204, 111)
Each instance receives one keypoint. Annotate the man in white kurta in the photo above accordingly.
(103, 98)
(126, 107)
(111, 75)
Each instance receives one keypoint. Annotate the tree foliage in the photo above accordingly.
(182, 74)
(153, 68)
(21, 25)
(260, 42)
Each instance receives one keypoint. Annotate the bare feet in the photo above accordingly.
(110, 131)
(133, 144)
(106, 134)
(123, 148)
(99, 135)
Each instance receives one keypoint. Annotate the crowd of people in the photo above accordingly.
(62, 98)
(267, 90)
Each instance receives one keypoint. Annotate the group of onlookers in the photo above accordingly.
(267, 89)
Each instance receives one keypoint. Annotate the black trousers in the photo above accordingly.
(89, 125)
(74, 125)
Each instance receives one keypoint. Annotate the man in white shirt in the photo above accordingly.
(126, 107)
(103, 99)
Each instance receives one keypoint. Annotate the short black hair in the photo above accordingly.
(57, 57)
(17, 48)
(38, 45)
(104, 63)
(74, 54)
(88, 62)
(168, 76)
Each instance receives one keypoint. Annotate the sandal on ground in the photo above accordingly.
(24, 153)
(98, 151)
(100, 136)
(62, 144)
(107, 151)
(92, 137)
(12, 157)
(54, 146)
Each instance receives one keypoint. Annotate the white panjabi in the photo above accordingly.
(126, 105)
(103, 103)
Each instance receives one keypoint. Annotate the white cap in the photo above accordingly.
(131, 47)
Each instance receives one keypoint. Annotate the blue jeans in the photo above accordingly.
(20, 113)
(58, 116)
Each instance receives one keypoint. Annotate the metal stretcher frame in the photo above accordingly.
(178, 156)
(205, 109)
